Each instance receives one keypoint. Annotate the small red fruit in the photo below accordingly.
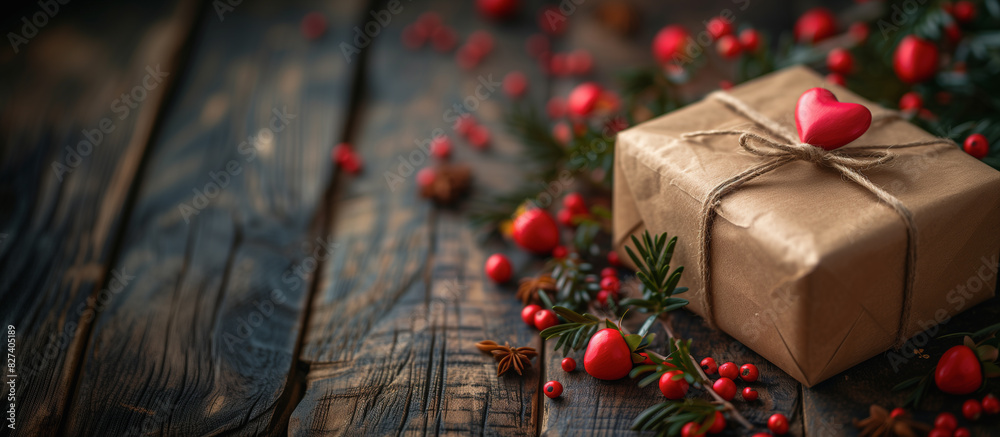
(898, 412)
(718, 424)
(750, 40)
(426, 176)
(915, 59)
(574, 202)
(602, 297)
(608, 356)
(536, 231)
(750, 394)
(568, 364)
(859, 31)
(725, 388)
(611, 283)
(608, 272)
(497, 9)
(911, 101)
(964, 11)
(479, 136)
(836, 78)
(552, 21)
(552, 389)
(958, 371)
(709, 366)
(559, 252)
(971, 409)
(778, 424)
(691, 430)
(528, 314)
(962, 432)
(719, 27)
(613, 259)
(498, 268)
(815, 25)
(840, 61)
(749, 373)
(515, 84)
(673, 389)
(976, 145)
(565, 217)
(991, 405)
(729, 370)
(545, 319)
(583, 99)
(669, 42)
(762, 434)
(441, 147)
(728, 46)
(939, 432)
(444, 39)
(946, 421)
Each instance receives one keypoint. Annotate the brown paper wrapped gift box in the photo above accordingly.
(807, 266)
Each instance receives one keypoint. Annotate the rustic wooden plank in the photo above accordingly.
(62, 90)
(830, 406)
(203, 339)
(391, 343)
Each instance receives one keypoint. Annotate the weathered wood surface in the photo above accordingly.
(62, 210)
(203, 338)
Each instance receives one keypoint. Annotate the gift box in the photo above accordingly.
(815, 260)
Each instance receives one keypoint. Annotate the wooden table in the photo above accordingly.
(202, 267)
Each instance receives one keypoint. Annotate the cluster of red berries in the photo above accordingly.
(554, 389)
(729, 372)
(345, 157)
(476, 47)
(430, 27)
(537, 317)
(574, 207)
(610, 286)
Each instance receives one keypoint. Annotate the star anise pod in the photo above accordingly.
(517, 357)
(879, 423)
(529, 286)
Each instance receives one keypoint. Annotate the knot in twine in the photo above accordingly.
(785, 149)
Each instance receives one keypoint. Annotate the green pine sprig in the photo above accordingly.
(659, 284)
(667, 418)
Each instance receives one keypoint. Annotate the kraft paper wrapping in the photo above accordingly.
(808, 267)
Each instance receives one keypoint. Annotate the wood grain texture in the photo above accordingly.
(391, 347)
(62, 211)
(202, 340)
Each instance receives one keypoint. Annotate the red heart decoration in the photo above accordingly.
(825, 122)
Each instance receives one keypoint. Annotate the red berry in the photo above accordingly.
(609, 271)
(313, 25)
(552, 389)
(762, 434)
(859, 31)
(728, 46)
(602, 297)
(426, 176)
(498, 268)
(946, 421)
(977, 146)
(545, 319)
(611, 283)
(749, 373)
(552, 20)
(958, 372)
(515, 84)
(972, 409)
(718, 423)
(556, 108)
(911, 101)
(429, 21)
(444, 39)
(565, 217)
(778, 424)
(669, 42)
(559, 252)
(574, 202)
(480, 43)
(915, 60)
(991, 405)
(897, 412)
(840, 61)
(568, 364)
(691, 430)
(729, 370)
(836, 78)
(528, 314)
(964, 11)
(536, 231)
(497, 9)
(725, 84)
(709, 366)
(464, 124)
(613, 259)
(938, 432)
(342, 152)
(962, 432)
(479, 136)
(583, 99)
(352, 163)
(750, 40)
(719, 27)
(815, 25)
(671, 388)
(441, 147)
(749, 394)
(579, 62)
(953, 33)
(608, 356)
(725, 388)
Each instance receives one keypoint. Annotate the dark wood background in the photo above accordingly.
(301, 300)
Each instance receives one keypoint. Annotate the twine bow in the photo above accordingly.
(848, 162)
